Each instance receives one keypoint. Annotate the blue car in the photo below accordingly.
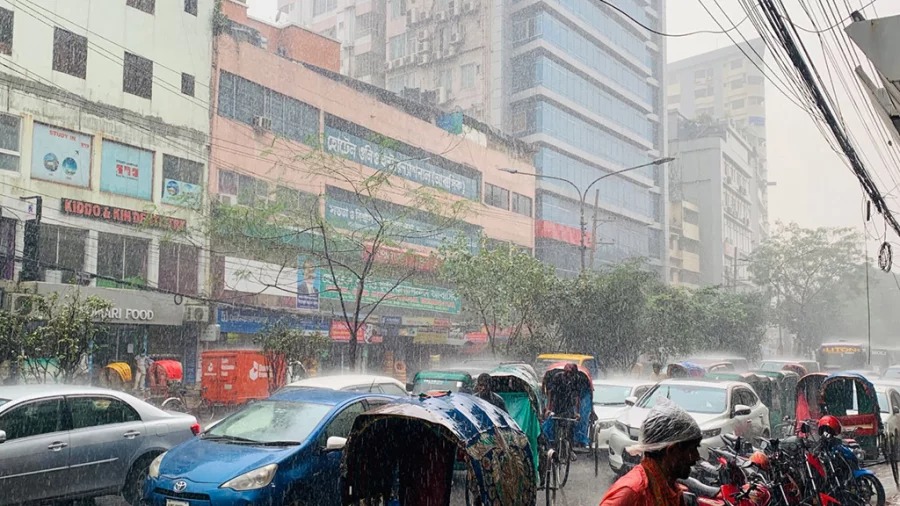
(282, 450)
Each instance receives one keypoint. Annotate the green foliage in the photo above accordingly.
(502, 288)
(728, 321)
(670, 323)
(68, 326)
(808, 272)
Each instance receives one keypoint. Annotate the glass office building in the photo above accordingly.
(587, 89)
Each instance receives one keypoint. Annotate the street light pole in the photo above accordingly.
(582, 195)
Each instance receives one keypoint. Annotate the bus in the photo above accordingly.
(842, 356)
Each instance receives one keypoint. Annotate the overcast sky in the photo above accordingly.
(813, 186)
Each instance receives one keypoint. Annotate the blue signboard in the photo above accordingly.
(126, 170)
(254, 321)
(61, 156)
(379, 157)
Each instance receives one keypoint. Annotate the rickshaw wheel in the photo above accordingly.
(551, 481)
(891, 450)
(567, 455)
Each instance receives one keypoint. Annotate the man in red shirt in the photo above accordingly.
(669, 440)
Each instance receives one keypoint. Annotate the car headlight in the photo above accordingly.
(605, 424)
(706, 434)
(153, 470)
(257, 478)
(621, 427)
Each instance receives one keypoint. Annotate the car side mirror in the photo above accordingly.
(631, 400)
(335, 443)
(740, 410)
(2, 436)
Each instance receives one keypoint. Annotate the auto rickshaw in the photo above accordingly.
(405, 450)
(783, 399)
(452, 380)
(762, 385)
(524, 401)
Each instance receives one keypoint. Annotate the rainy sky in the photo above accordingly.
(814, 187)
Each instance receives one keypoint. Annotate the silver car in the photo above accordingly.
(67, 442)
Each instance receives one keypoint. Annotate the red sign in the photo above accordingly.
(128, 171)
(558, 232)
(118, 215)
(340, 332)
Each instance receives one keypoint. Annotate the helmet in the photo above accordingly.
(829, 424)
(760, 459)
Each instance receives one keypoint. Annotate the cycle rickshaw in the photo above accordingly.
(405, 451)
(580, 428)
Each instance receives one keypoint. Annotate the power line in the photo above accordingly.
(831, 27)
(673, 35)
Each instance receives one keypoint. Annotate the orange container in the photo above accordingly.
(236, 376)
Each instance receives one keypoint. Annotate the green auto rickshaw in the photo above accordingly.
(784, 395)
(762, 385)
(449, 380)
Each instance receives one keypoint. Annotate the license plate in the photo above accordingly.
(170, 502)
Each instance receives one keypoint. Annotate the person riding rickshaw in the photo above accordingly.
(405, 451)
(569, 415)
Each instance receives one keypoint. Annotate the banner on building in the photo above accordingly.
(405, 295)
(126, 170)
(179, 193)
(308, 283)
(254, 321)
(61, 156)
(341, 332)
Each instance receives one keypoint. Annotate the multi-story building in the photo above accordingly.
(578, 79)
(271, 98)
(684, 244)
(105, 132)
(729, 84)
(715, 171)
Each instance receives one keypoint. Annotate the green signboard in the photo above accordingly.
(404, 295)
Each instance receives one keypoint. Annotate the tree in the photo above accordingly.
(12, 329)
(804, 270)
(67, 329)
(284, 346)
(669, 324)
(502, 287)
(731, 322)
(366, 237)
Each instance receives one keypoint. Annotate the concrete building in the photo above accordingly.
(105, 118)
(715, 171)
(726, 85)
(684, 244)
(578, 79)
(346, 114)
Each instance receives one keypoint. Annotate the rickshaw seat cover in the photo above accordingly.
(172, 368)
(486, 434)
(122, 369)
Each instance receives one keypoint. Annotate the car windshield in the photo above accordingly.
(771, 366)
(892, 373)
(3, 401)
(611, 395)
(882, 402)
(427, 384)
(271, 422)
(693, 399)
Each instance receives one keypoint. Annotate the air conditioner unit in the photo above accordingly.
(198, 314)
(443, 95)
(262, 122)
(228, 200)
(424, 59)
(455, 38)
(24, 304)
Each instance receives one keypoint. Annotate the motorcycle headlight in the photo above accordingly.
(257, 478)
(706, 434)
(153, 470)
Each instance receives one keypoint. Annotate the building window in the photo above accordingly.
(246, 101)
(364, 64)
(190, 6)
(755, 79)
(9, 142)
(138, 76)
(178, 267)
(249, 191)
(521, 204)
(467, 76)
(187, 84)
(525, 29)
(122, 258)
(496, 196)
(147, 6)
(364, 24)
(181, 181)
(737, 104)
(398, 8)
(323, 6)
(756, 100)
(397, 46)
(61, 253)
(737, 83)
(69, 53)
(703, 92)
(7, 248)
(445, 79)
(6, 31)
(292, 202)
(736, 64)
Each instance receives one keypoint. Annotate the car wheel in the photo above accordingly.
(133, 489)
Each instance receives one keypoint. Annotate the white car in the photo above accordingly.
(609, 403)
(888, 393)
(354, 383)
(726, 407)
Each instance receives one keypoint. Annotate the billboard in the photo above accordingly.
(179, 193)
(308, 284)
(126, 170)
(61, 156)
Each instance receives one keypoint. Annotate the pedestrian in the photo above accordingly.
(483, 391)
(669, 440)
(142, 364)
(657, 374)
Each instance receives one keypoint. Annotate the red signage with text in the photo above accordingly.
(111, 214)
(558, 232)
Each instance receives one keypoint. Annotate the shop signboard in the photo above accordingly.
(110, 214)
(253, 321)
(431, 335)
(379, 157)
(131, 307)
(404, 295)
(180, 193)
(61, 156)
(308, 283)
(425, 321)
(126, 170)
(340, 332)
